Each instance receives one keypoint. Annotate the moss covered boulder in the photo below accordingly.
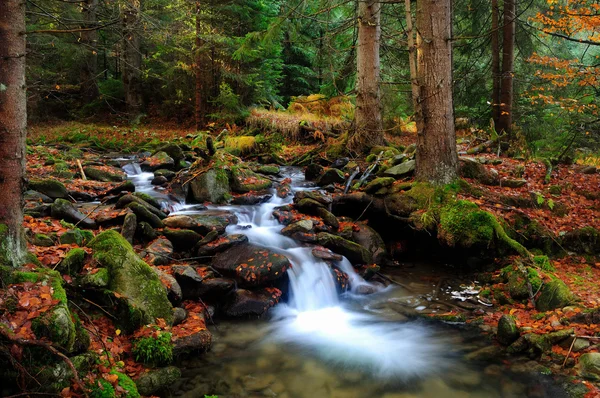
(554, 294)
(331, 176)
(51, 188)
(368, 238)
(353, 251)
(156, 380)
(244, 180)
(97, 174)
(73, 262)
(508, 332)
(251, 265)
(212, 186)
(62, 209)
(589, 366)
(160, 160)
(143, 298)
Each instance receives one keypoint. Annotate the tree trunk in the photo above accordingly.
(13, 124)
(495, 63)
(437, 159)
(89, 40)
(367, 116)
(132, 59)
(508, 59)
(198, 111)
(412, 64)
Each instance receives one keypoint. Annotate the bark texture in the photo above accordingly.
(199, 108)
(89, 40)
(13, 123)
(368, 122)
(437, 159)
(505, 117)
(132, 59)
(495, 62)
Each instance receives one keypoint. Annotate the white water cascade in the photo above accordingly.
(314, 318)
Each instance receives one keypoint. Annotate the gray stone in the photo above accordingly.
(211, 186)
(62, 209)
(401, 170)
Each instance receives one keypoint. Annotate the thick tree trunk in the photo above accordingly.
(495, 62)
(89, 40)
(367, 116)
(437, 159)
(198, 111)
(132, 59)
(508, 59)
(13, 124)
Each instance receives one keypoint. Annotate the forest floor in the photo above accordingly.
(569, 189)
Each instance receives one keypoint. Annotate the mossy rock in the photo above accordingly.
(353, 251)
(62, 209)
(51, 188)
(517, 283)
(76, 236)
(144, 214)
(508, 331)
(331, 176)
(73, 262)
(269, 170)
(101, 175)
(95, 280)
(144, 299)
(554, 294)
(157, 379)
(585, 240)
(160, 160)
(379, 183)
(172, 150)
(182, 239)
(148, 199)
(42, 240)
(588, 366)
(57, 376)
(244, 180)
(464, 224)
(242, 145)
(212, 186)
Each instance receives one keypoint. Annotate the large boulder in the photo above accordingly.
(157, 379)
(554, 294)
(508, 331)
(470, 168)
(97, 174)
(220, 245)
(589, 365)
(244, 180)
(63, 210)
(352, 251)
(251, 265)
(159, 160)
(202, 223)
(246, 303)
(401, 170)
(141, 298)
(51, 188)
(331, 176)
(368, 238)
(182, 239)
(159, 252)
(211, 186)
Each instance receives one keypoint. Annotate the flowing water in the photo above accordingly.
(318, 344)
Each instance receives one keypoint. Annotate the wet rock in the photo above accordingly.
(403, 169)
(127, 186)
(308, 206)
(269, 170)
(174, 292)
(203, 223)
(284, 217)
(156, 380)
(578, 346)
(221, 244)
(72, 263)
(159, 160)
(251, 199)
(304, 226)
(63, 210)
(368, 238)
(533, 344)
(353, 251)
(76, 237)
(215, 288)
(81, 196)
(142, 298)
(172, 150)
(313, 172)
(251, 265)
(129, 227)
(179, 315)
(513, 183)
(331, 176)
(378, 183)
(159, 181)
(142, 199)
(252, 303)
(168, 174)
(326, 254)
(97, 174)
(159, 252)
(244, 180)
(560, 335)
(554, 294)
(143, 214)
(188, 278)
(485, 354)
(182, 239)
(212, 186)
(197, 342)
(328, 218)
(340, 163)
(588, 366)
(210, 237)
(507, 330)
(51, 188)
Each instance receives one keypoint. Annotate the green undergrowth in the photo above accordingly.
(154, 350)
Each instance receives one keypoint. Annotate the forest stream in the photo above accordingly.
(362, 343)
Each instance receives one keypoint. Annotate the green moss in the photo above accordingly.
(485, 293)
(102, 389)
(538, 316)
(127, 384)
(543, 263)
(451, 318)
(154, 351)
(462, 223)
